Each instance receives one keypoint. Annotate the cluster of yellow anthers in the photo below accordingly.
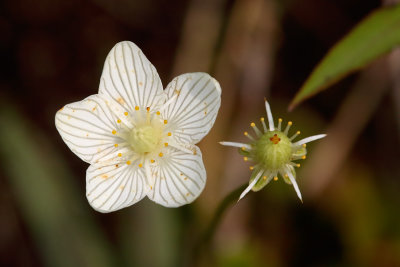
(138, 138)
(272, 153)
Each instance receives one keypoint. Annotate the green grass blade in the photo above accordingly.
(374, 36)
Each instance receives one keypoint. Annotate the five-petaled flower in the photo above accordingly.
(273, 153)
(138, 138)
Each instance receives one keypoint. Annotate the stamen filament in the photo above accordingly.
(249, 136)
(295, 135)
(279, 124)
(250, 185)
(269, 115)
(234, 144)
(263, 124)
(256, 130)
(288, 127)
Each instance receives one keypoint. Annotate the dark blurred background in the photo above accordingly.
(52, 53)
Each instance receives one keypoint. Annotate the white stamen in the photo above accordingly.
(251, 185)
(294, 183)
(309, 139)
(256, 130)
(234, 144)
(166, 104)
(269, 115)
(179, 147)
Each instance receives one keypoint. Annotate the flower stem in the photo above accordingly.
(206, 237)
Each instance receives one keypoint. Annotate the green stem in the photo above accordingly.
(206, 237)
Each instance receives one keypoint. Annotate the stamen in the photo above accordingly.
(294, 183)
(165, 121)
(251, 168)
(158, 113)
(255, 128)
(234, 144)
(119, 155)
(249, 136)
(288, 127)
(251, 185)
(309, 139)
(263, 124)
(304, 145)
(126, 113)
(137, 108)
(152, 160)
(276, 178)
(303, 157)
(128, 162)
(245, 158)
(295, 135)
(116, 145)
(140, 165)
(161, 154)
(264, 177)
(269, 115)
(279, 124)
(114, 131)
(166, 104)
(118, 121)
(148, 109)
(169, 134)
(166, 144)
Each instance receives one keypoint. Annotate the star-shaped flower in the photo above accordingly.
(273, 152)
(138, 138)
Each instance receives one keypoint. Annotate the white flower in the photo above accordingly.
(273, 153)
(139, 139)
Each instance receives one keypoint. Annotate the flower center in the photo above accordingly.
(145, 138)
(273, 150)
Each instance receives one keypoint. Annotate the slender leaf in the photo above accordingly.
(374, 36)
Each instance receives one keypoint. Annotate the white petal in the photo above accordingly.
(87, 128)
(250, 185)
(309, 139)
(269, 115)
(178, 177)
(129, 78)
(293, 180)
(114, 186)
(197, 100)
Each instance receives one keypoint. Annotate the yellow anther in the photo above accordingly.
(290, 123)
(261, 119)
(165, 121)
(169, 134)
(119, 155)
(119, 121)
(298, 165)
(128, 162)
(126, 113)
(137, 108)
(304, 145)
(158, 113)
(286, 175)
(276, 178)
(243, 148)
(116, 145)
(245, 133)
(148, 109)
(303, 157)
(140, 165)
(264, 178)
(161, 154)
(152, 160)
(165, 144)
(298, 132)
(245, 159)
(279, 120)
(252, 124)
(251, 168)
(114, 131)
